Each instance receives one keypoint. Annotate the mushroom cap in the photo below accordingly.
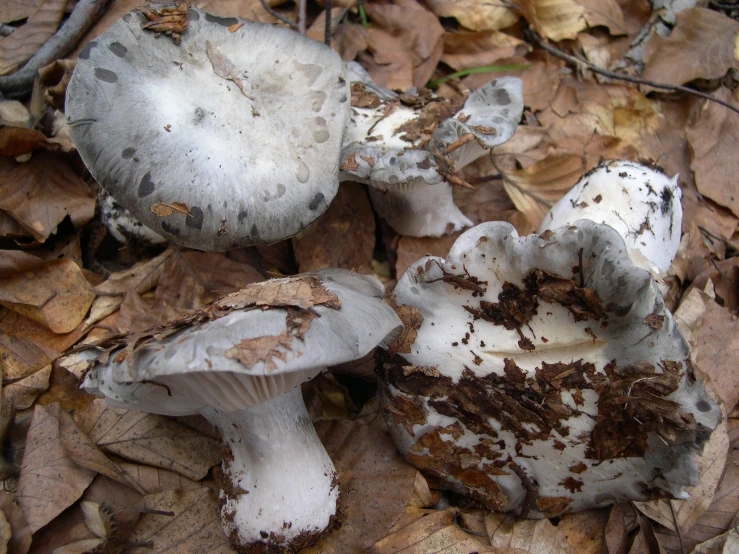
(246, 347)
(171, 132)
(543, 374)
(638, 201)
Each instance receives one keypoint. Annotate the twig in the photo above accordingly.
(6, 30)
(327, 29)
(531, 487)
(278, 15)
(302, 14)
(531, 36)
(85, 13)
(677, 526)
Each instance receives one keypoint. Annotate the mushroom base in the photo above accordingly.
(279, 490)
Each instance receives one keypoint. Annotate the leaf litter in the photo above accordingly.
(115, 479)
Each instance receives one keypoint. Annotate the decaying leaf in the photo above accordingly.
(24, 392)
(47, 467)
(225, 69)
(701, 46)
(25, 41)
(464, 49)
(154, 480)
(20, 357)
(554, 19)
(476, 15)
(56, 294)
(149, 439)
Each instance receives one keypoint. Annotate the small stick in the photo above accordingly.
(85, 13)
(278, 15)
(461, 141)
(327, 29)
(677, 526)
(302, 14)
(531, 36)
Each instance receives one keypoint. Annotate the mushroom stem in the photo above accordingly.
(279, 485)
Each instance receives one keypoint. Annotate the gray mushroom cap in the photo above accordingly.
(247, 347)
(543, 374)
(231, 137)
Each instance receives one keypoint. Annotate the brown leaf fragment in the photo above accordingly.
(362, 97)
(150, 439)
(525, 535)
(224, 68)
(298, 292)
(47, 467)
(475, 14)
(40, 193)
(26, 40)
(194, 526)
(554, 19)
(23, 393)
(412, 321)
(20, 539)
(654, 321)
(702, 45)
(154, 480)
(621, 521)
(250, 352)
(20, 357)
(554, 506)
(350, 162)
(165, 210)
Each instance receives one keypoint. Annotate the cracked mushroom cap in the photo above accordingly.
(247, 347)
(231, 137)
(638, 201)
(400, 149)
(543, 374)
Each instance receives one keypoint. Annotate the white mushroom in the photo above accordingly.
(239, 362)
(230, 137)
(640, 202)
(408, 155)
(543, 374)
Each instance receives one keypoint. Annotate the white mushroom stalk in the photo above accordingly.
(409, 154)
(640, 202)
(239, 362)
(229, 136)
(543, 375)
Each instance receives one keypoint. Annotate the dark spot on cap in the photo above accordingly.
(127, 17)
(392, 161)
(118, 49)
(194, 218)
(199, 115)
(343, 99)
(622, 281)
(424, 164)
(242, 216)
(128, 153)
(192, 15)
(146, 186)
(501, 97)
(254, 231)
(263, 534)
(703, 406)
(225, 21)
(317, 199)
(105, 75)
(666, 196)
(167, 228)
(87, 50)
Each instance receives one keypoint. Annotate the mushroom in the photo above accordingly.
(239, 362)
(640, 202)
(122, 225)
(229, 137)
(543, 375)
(408, 149)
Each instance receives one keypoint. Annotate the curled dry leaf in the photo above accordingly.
(465, 49)
(40, 193)
(50, 343)
(192, 527)
(343, 237)
(718, 351)
(375, 481)
(25, 41)
(20, 540)
(554, 19)
(56, 294)
(20, 357)
(150, 439)
(22, 394)
(47, 467)
(701, 46)
(476, 15)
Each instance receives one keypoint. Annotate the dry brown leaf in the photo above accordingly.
(718, 351)
(25, 41)
(535, 189)
(10, 228)
(40, 193)
(149, 439)
(23, 393)
(405, 44)
(621, 522)
(15, 10)
(465, 49)
(606, 13)
(194, 526)
(476, 15)
(714, 141)
(710, 470)
(52, 344)
(410, 249)
(154, 480)
(49, 481)
(20, 540)
(17, 141)
(20, 357)
(326, 399)
(343, 237)
(375, 481)
(6, 533)
(702, 45)
(554, 19)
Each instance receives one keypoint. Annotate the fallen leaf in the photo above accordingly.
(20, 540)
(56, 294)
(606, 13)
(20, 357)
(621, 522)
(702, 45)
(149, 439)
(18, 141)
(193, 527)
(40, 193)
(343, 237)
(410, 249)
(6, 533)
(15, 10)
(49, 481)
(25, 41)
(465, 49)
(554, 19)
(718, 351)
(50, 343)
(714, 139)
(376, 483)
(23, 393)
(154, 480)
(476, 15)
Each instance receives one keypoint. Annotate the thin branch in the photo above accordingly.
(278, 15)
(327, 32)
(531, 36)
(677, 526)
(85, 13)
(302, 15)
